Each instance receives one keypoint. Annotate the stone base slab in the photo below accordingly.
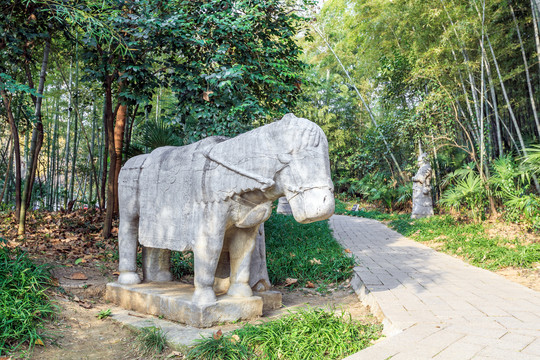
(271, 299)
(172, 300)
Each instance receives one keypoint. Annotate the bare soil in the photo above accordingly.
(77, 333)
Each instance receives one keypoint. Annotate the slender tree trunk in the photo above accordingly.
(527, 76)
(8, 171)
(104, 153)
(68, 138)
(534, 10)
(510, 111)
(494, 106)
(402, 176)
(54, 152)
(37, 141)
(91, 158)
(107, 226)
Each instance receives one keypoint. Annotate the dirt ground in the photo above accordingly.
(77, 333)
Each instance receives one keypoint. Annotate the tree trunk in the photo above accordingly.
(109, 123)
(8, 171)
(68, 139)
(402, 176)
(527, 76)
(510, 111)
(119, 129)
(37, 141)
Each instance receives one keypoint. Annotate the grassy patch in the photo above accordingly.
(470, 241)
(467, 240)
(151, 340)
(24, 303)
(306, 334)
(377, 215)
(307, 252)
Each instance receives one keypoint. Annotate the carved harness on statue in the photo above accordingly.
(263, 210)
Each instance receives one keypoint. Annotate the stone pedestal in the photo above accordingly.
(172, 300)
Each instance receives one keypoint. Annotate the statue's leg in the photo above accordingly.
(128, 232)
(156, 264)
(206, 254)
(240, 249)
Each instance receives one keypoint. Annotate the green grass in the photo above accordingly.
(151, 340)
(467, 240)
(470, 241)
(306, 334)
(24, 302)
(307, 252)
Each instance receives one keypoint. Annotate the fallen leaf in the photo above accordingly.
(310, 285)
(235, 338)
(86, 305)
(315, 261)
(116, 273)
(290, 281)
(348, 251)
(39, 342)
(218, 334)
(79, 276)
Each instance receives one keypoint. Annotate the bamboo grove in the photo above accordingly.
(458, 79)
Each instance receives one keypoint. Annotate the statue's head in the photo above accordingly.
(305, 177)
(423, 159)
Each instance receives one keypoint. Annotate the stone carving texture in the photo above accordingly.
(283, 206)
(422, 202)
(211, 197)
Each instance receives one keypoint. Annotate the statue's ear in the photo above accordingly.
(284, 158)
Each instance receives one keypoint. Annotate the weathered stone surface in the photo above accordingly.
(211, 197)
(271, 299)
(283, 206)
(422, 202)
(173, 301)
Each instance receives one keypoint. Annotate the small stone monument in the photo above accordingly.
(211, 197)
(422, 204)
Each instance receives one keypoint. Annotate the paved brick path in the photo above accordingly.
(433, 305)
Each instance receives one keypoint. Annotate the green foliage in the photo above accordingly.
(467, 193)
(219, 347)
(151, 340)
(341, 207)
(305, 334)
(182, 264)
(470, 241)
(307, 252)
(377, 215)
(103, 314)
(24, 302)
(309, 334)
(532, 160)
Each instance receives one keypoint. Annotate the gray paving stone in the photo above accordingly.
(439, 306)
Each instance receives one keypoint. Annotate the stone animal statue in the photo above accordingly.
(211, 196)
(422, 202)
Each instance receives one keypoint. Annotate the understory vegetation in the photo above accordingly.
(305, 252)
(305, 334)
(472, 241)
(24, 302)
